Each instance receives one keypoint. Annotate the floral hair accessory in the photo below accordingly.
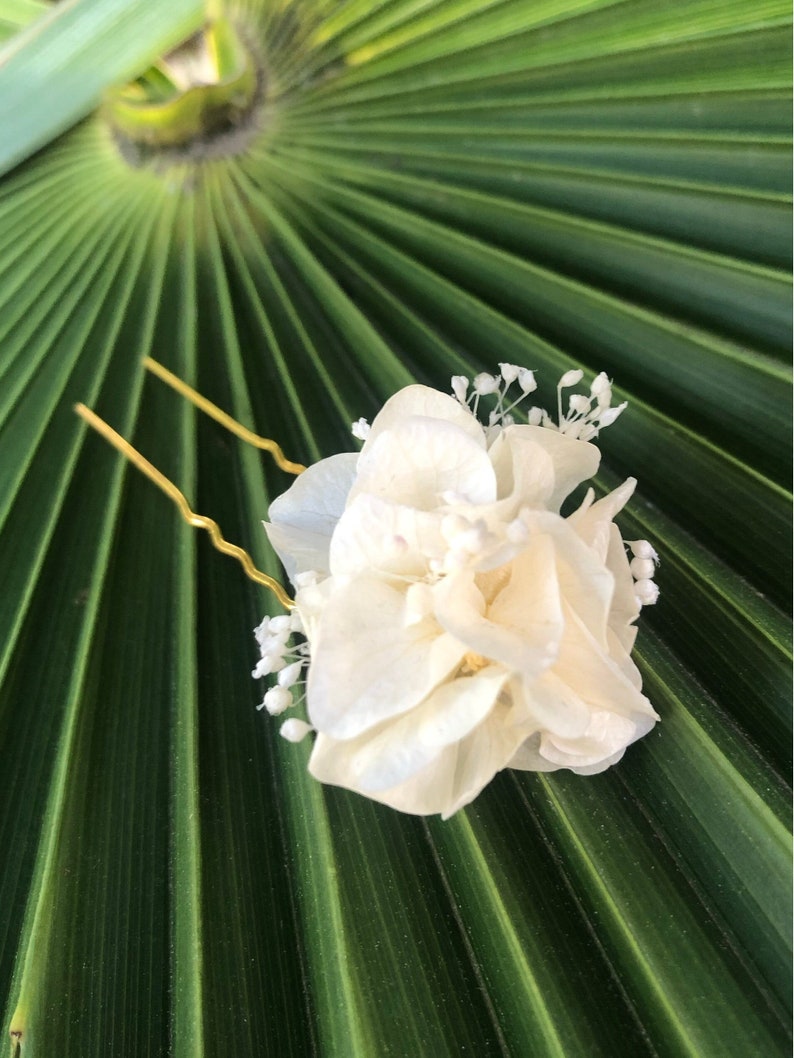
(451, 622)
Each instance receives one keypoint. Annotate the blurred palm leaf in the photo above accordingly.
(432, 187)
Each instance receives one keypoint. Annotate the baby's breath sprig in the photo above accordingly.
(585, 417)
(279, 656)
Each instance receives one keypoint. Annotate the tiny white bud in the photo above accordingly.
(361, 429)
(608, 417)
(294, 730)
(263, 668)
(579, 403)
(535, 416)
(642, 549)
(295, 622)
(570, 378)
(290, 674)
(571, 428)
(600, 384)
(460, 387)
(274, 646)
(485, 383)
(647, 592)
(280, 624)
(509, 372)
(270, 663)
(277, 700)
(526, 380)
(642, 568)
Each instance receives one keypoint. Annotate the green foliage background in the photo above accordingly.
(433, 186)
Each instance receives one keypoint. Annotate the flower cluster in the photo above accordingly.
(455, 622)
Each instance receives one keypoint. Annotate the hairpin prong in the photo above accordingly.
(221, 417)
(200, 521)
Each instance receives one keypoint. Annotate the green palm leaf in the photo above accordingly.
(428, 188)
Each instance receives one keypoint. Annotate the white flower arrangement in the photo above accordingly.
(454, 622)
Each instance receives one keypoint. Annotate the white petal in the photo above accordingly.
(299, 549)
(549, 704)
(420, 460)
(594, 676)
(424, 793)
(573, 461)
(624, 610)
(450, 779)
(533, 473)
(425, 402)
(583, 579)
(369, 663)
(607, 735)
(593, 521)
(486, 751)
(395, 751)
(528, 757)
(383, 537)
(523, 625)
(304, 517)
(456, 707)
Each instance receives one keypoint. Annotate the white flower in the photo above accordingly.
(456, 623)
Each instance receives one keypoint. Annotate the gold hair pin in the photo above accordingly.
(156, 476)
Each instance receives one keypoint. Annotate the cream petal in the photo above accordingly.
(306, 514)
(388, 538)
(625, 608)
(502, 459)
(486, 751)
(450, 780)
(528, 756)
(533, 473)
(427, 403)
(573, 461)
(456, 707)
(386, 756)
(620, 647)
(419, 461)
(594, 676)
(593, 521)
(549, 704)
(376, 760)
(523, 626)
(299, 549)
(460, 608)
(597, 768)
(426, 792)
(607, 734)
(369, 663)
(584, 581)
